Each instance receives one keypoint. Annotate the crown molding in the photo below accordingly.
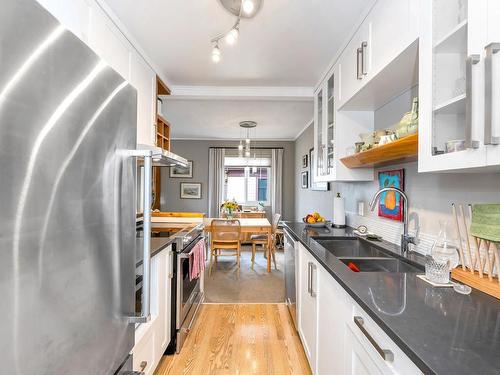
(309, 123)
(240, 93)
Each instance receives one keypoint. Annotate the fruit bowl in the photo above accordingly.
(315, 220)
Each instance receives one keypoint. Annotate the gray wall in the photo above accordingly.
(307, 200)
(197, 151)
(430, 194)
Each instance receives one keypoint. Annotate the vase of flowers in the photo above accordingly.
(229, 208)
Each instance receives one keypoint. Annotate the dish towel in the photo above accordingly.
(197, 260)
(486, 222)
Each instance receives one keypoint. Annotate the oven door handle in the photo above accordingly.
(188, 254)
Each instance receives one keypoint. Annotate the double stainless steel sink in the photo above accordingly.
(363, 256)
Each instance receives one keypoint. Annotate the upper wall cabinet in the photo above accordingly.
(106, 40)
(390, 27)
(90, 23)
(336, 132)
(459, 66)
(143, 78)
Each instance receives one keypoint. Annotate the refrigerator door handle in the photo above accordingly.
(146, 260)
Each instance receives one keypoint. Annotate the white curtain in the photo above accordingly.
(276, 181)
(215, 180)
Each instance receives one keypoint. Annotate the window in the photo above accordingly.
(247, 184)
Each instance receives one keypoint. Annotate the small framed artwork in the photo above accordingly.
(319, 186)
(304, 161)
(305, 179)
(179, 172)
(390, 203)
(190, 190)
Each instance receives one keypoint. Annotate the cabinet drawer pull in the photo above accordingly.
(469, 142)
(386, 354)
(313, 268)
(309, 277)
(489, 139)
(359, 52)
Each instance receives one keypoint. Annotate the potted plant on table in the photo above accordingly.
(229, 207)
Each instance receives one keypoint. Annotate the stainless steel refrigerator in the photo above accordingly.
(67, 201)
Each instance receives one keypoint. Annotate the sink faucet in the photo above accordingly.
(406, 239)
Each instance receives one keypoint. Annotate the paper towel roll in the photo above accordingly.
(338, 211)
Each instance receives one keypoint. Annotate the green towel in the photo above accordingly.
(486, 222)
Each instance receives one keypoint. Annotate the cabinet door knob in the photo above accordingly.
(143, 365)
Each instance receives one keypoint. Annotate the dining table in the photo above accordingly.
(250, 225)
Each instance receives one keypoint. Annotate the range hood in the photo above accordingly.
(163, 158)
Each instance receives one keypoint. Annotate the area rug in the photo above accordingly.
(249, 286)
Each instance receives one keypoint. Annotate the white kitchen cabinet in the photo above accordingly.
(355, 63)
(358, 361)
(153, 337)
(307, 290)
(107, 41)
(455, 75)
(146, 334)
(334, 343)
(143, 78)
(335, 133)
(333, 311)
(392, 29)
(368, 348)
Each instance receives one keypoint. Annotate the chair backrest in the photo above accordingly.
(225, 230)
(276, 221)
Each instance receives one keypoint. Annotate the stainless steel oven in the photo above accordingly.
(187, 295)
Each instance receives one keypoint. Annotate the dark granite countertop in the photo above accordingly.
(441, 331)
(157, 244)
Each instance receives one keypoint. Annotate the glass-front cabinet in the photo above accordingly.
(455, 66)
(330, 125)
(335, 133)
(319, 144)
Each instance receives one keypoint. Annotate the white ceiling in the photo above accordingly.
(289, 43)
(218, 119)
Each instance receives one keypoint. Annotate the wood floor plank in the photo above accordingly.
(239, 339)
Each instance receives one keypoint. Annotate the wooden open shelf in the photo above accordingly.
(162, 125)
(400, 151)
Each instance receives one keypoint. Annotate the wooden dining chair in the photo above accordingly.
(225, 240)
(262, 240)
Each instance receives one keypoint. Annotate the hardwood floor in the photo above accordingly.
(240, 339)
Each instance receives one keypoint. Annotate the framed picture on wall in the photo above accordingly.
(305, 179)
(190, 190)
(179, 172)
(390, 203)
(320, 186)
(304, 161)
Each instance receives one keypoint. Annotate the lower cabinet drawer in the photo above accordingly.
(384, 353)
(144, 354)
